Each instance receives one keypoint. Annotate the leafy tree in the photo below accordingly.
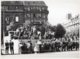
(60, 31)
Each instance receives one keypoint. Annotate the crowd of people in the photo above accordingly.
(36, 32)
(9, 47)
(44, 41)
(70, 43)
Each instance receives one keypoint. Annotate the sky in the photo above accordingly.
(58, 10)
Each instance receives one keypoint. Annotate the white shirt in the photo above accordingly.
(39, 42)
(28, 45)
(7, 38)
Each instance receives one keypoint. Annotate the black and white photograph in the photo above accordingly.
(39, 27)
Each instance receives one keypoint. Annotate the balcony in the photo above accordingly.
(12, 11)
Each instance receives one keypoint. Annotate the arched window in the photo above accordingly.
(7, 20)
(17, 19)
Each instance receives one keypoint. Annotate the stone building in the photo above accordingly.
(74, 25)
(16, 13)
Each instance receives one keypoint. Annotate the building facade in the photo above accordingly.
(74, 25)
(16, 13)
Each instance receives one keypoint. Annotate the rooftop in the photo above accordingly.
(12, 3)
(33, 3)
(26, 3)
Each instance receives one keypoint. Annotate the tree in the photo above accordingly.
(60, 31)
(53, 28)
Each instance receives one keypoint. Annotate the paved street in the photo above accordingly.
(71, 55)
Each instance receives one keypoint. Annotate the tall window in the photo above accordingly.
(4, 7)
(44, 8)
(17, 19)
(7, 20)
(28, 15)
(31, 15)
(38, 15)
(28, 9)
(43, 16)
(38, 8)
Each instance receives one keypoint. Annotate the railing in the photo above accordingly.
(12, 11)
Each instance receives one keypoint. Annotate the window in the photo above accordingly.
(44, 8)
(31, 15)
(11, 8)
(4, 7)
(38, 8)
(17, 19)
(28, 9)
(43, 16)
(33, 8)
(7, 20)
(38, 15)
(28, 15)
(16, 7)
